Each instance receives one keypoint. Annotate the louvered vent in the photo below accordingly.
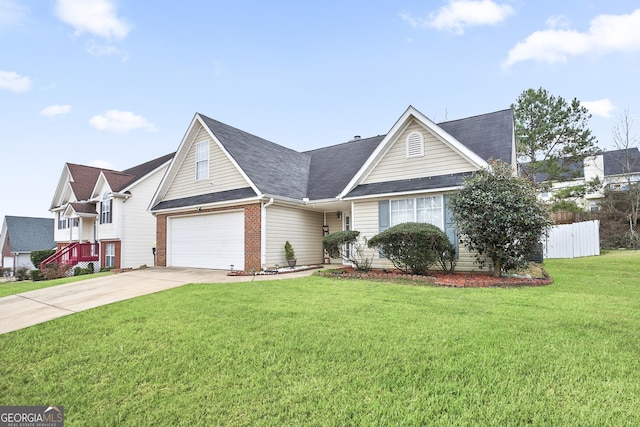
(415, 145)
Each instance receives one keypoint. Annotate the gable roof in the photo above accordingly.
(83, 178)
(329, 172)
(26, 234)
(273, 169)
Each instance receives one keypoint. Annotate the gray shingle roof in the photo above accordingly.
(333, 167)
(615, 161)
(488, 135)
(414, 184)
(274, 169)
(28, 234)
(202, 199)
(324, 173)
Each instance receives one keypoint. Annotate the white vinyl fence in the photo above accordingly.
(573, 240)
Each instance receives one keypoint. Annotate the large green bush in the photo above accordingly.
(38, 256)
(414, 247)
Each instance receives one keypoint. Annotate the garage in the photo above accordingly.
(206, 241)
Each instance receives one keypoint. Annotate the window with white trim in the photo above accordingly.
(110, 255)
(415, 145)
(62, 221)
(421, 209)
(202, 160)
(105, 209)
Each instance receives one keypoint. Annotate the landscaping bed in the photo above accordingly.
(535, 275)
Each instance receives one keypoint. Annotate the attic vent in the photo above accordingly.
(415, 145)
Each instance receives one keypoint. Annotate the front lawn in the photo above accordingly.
(12, 288)
(319, 351)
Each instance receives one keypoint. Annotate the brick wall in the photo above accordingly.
(252, 234)
(252, 237)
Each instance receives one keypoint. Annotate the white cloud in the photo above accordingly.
(14, 82)
(459, 14)
(11, 13)
(56, 110)
(97, 17)
(606, 34)
(120, 122)
(102, 164)
(102, 50)
(601, 107)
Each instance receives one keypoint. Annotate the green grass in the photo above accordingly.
(319, 351)
(12, 288)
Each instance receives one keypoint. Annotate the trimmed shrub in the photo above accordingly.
(35, 275)
(414, 247)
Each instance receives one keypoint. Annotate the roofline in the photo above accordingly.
(229, 156)
(398, 125)
(403, 193)
(206, 205)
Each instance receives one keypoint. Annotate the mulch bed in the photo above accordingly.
(455, 280)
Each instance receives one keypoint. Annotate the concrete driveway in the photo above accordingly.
(33, 307)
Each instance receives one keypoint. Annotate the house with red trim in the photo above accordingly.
(101, 215)
(230, 199)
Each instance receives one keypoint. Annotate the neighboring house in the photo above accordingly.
(22, 235)
(101, 215)
(230, 198)
(615, 169)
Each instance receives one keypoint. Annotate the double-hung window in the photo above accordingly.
(62, 221)
(105, 209)
(110, 255)
(202, 160)
(422, 209)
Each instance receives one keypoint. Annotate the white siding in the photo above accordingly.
(139, 226)
(303, 229)
(438, 159)
(223, 175)
(366, 221)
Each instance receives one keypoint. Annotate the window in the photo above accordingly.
(110, 255)
(422, 209)
(415, 145)
(75, 222)
(105, 209)
(62, 221)
(594, 207)
(202, 160)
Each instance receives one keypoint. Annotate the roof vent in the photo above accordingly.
(356, 137)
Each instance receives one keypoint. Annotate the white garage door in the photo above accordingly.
(207, 241)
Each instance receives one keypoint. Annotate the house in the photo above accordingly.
(615, 169)
(230, 199)
(22, 235)
(101, 215)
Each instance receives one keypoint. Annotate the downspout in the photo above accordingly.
(263, 232)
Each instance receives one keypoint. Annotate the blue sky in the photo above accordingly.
(113, 83)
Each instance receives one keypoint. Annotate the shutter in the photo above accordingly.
(101, 211)
(450, 226)
(383, 219)
(110, 210)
